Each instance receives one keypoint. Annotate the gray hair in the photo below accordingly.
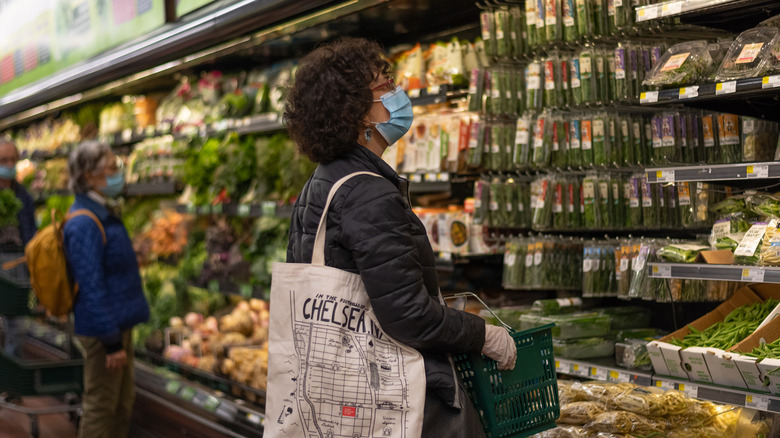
(88, 157)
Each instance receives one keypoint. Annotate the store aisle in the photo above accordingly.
(17, 425)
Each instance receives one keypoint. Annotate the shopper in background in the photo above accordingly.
(9, 156)
(110, 298)
(343, 111)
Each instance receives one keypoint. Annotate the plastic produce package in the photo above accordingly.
(577, 325)
(682, 64)
(752, 54)
(632, 354)
(583, 348)
(627, 317)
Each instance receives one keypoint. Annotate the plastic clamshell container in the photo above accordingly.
(770, 22)
(627, 317)
(584, 348)
(578, 325)
(509, 315)
(529, 321)
(632, 354)
(682, 64)
(751, 55)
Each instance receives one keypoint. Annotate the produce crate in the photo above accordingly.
(33, 367)
(518, 402)
(14, 287)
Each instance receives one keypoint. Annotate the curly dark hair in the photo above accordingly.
(331, 96)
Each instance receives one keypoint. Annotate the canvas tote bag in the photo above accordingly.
(332, 371)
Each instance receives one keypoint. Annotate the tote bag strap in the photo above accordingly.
(318, 254)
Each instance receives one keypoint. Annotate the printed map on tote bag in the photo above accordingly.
(332, 371)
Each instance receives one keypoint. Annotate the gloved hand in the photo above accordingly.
(500, 347)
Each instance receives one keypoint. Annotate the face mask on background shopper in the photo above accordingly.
(114, 185)
(399, 106)
(8, 173)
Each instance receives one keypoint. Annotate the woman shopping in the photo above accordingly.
(343, 111)
(110, 299)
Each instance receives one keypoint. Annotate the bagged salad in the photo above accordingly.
(753, 54)
(682, 64)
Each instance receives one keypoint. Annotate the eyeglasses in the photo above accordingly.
(388, 85)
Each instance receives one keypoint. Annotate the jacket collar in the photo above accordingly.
(84, 201)
(381, 167)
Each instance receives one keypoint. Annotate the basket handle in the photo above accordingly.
(475, 296)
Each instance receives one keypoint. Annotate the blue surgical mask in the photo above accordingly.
(400, 107)
(8, 173)
(114, 185)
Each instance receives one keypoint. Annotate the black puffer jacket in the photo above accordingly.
(373, 231)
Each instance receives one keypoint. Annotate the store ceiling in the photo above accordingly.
(253, 34)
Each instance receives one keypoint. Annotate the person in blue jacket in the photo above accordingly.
(110, 298)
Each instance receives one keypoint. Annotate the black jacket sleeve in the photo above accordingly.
(376, 228)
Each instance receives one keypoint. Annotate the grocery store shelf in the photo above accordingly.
(212, 408)
(152, 189)
(241, 210)
(436, 94)
(717, 172)
(604, 369)
(747, 274)
(430, 182)
(723, 14)
(720, 394)
(751, 97)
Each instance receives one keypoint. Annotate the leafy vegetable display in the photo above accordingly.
(683, 64)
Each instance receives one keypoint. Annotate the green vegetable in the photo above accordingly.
(737, 325)
(10, 207)
(681, 253)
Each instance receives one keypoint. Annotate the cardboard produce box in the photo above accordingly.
(760, 376)
(692, 363)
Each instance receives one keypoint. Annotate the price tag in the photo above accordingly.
(446, 256)
(253, 418)
(726, 88)
(671, 9)
(689, 92)
(432, 90)
(579, 370)
(444, 177)
(758, 171)
(648, 97)
(599, 373)
(430, 177)
(415, 178)
(618, 377)
(664, 385)
(243, 210)
(661, 271)
(558, 367)
(753, 275)
(664, 176)
(127, 135)
(647, 13)
(187, 393)
(757, 402)
(414, 93)
(268, 208)
(245, 290)
(172, 387)
(211, 403)
(770, 82)
(690, 390)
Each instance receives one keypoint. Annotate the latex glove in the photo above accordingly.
(500, 347)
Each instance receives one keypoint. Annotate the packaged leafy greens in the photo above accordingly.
(481, 200)
(574, 189)
(685, 205)
(517, 28)
(575, 143)
(496, 153)
(560, 202)
(502, 33)
(709, 129)
(759, 139)
(523, 138)
(575, 81)
(530, 23)
(599, 140)
(476, 144)
(599, 17)
(584, 17)
(559, 143)
(541, 25)
(542, 206)
(633, 194)
(590, 217)
(588, 86)
(552, 82)
(586, 140)
(601, 74)
(533, 86)
(650, 204)
(748, 251)
(729, 138)
(553, 20)
(577, 325)
(614, 146)
(488, 27)
(622, 90)
(681, 252)
(626, 142)
(683, 64)
(563, 72)
(618, 202)
(583, 348)
(570, 29)
(476, 89)
(542, 141)
(751, 55)
(604, 217)
(497, 203)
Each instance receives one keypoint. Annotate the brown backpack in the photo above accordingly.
(49, 275)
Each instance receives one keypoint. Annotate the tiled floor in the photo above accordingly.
(17, 425)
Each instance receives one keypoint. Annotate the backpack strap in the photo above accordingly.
(89, 214)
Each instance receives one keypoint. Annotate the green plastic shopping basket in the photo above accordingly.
(520, 402)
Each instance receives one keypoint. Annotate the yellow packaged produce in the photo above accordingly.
(580, 412)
